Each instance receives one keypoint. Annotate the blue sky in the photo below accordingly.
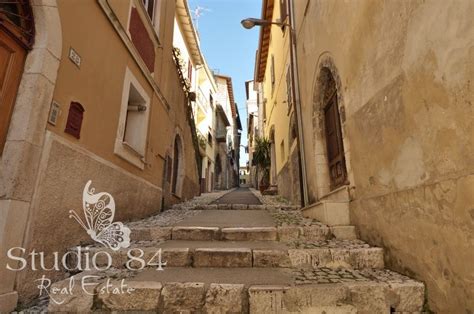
(228, 47)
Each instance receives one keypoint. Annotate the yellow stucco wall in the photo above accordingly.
(277, 112)
(404, 71)
(67, 163)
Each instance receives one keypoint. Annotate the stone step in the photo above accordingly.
(259, 254)
(244, 207)
(240, 290)
(199, 233)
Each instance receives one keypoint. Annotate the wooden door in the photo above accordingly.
(12, 60)
(335, 148)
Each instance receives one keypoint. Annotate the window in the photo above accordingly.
(130, 143)
(211, 100)
(136, 109)
(283, 10)
(74, 119)
(150, 8)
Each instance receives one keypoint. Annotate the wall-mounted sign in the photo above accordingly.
(75, 57)
(53, 113)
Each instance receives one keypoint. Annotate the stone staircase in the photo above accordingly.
(241, 259)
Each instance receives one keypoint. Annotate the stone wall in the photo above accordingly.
(288, 179)
(404, 73)
(64, 170)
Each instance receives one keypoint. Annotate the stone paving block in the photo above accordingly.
(298, 298)
(174, 257)
(183, 297)
(218, 257)
(344, 232)
(150, 233)
(249, 234)
(240, 206)
(144, 297)
(367, 258)
(299, 258)
(76, 300)
(370, 297)
(195, 233)
(315, 233)
(271, 258)
(256, 207)
(266, 299)
(289, 233)
(224, 206)
(324, 258)
(160, 233)
(225, 298)
(411, 296)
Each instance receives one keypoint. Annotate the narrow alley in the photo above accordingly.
(237, 156)
(240, 252)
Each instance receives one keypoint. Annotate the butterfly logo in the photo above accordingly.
(99, 212)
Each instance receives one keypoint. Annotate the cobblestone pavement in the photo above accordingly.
(327, 276)
(333, 243)
(291, 218)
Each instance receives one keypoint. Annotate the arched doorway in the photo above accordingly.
(177, 166)
(16, 38)
(333, 133)
(273, 170)
(329, 140)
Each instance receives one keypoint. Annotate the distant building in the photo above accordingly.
(243, 176)
(253, 103)
(203, 87)
(227, 135)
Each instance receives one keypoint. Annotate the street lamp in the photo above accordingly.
(251, 22)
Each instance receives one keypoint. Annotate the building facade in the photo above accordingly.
(252, 92)
(273, 72)
(386, 98)
(100, 101)
(203, 86)
(227, 135)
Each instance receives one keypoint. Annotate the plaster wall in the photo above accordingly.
(404, 71)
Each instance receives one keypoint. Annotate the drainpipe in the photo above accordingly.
(297, 99)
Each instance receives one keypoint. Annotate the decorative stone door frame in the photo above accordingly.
(323, 181)
(20, 161)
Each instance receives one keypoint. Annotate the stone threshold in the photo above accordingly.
(245, 290)
(280, 233)
(199, 254)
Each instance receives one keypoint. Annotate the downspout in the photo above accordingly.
(297, 98)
